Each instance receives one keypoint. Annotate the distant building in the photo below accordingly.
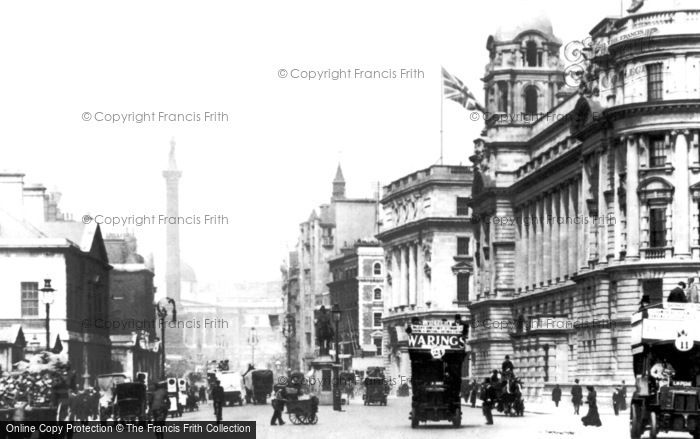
(291, 305)
(335, 225)
(37, 242)
(357, 287)
(132, 318)
(428, 241)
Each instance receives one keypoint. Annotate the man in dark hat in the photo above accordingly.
(160, 405)
(488, 397)
(217, 396)
(576, 396)
(677, 295)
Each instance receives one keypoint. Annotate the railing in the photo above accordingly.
(657, 252)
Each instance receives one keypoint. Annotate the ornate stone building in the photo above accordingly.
(427, 237)
(593, 203)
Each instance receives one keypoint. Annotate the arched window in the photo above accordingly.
(377, 269)
(503, 96)
(531, 99)
(377, 294)
(531, 54)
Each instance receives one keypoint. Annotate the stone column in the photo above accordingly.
(583, 237)
(632, 198)
(574, 226)
(420, 274)
(532, 242)
(681, 197)
(400, 278)
(412, 274)
(539, 260)
(518, 250)
(602, 207)
(405, 294)
(555, 235)
(546, 260)
(563, 232)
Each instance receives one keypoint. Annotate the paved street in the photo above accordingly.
(358, 421)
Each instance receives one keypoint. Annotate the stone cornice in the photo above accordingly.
(422, 224)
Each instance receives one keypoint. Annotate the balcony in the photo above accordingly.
(657, 252)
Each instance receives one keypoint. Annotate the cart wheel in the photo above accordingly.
(313, 419)
(414, 419)
(636, 426)
(653, 426)
(294, 418)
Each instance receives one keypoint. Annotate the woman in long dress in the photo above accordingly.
(592, 418)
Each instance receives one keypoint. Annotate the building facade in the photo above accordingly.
(357, 287)
(291, 305)
(37, 242)
(592, 202)
(336, 225)
(132, 316)
(427, 236)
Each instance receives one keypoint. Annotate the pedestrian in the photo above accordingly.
(487, 397)
(203, 394)
(576, 396)
(693, 294)
(556, 395)
(278, 406)
(592, 418)
(159, 406)
(474, 393)
(622, 402)
(677, 295)
(616, 400)
(217, 396)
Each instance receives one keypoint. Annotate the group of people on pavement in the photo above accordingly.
(592, 418)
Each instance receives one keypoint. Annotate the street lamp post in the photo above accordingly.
(162, 310)
(288, 332)
(252, 341)
(47, 297)
(336, 381)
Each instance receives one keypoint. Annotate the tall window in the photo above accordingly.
(657, 151)
(531, 100)
(462, 246)
(377, 294)
(654, 289)
(377, 321)
(462, 287)
(30, 299)
(377, 269)
(531, 54)
(378, 344)
(657, 227)
(655, 82)
(462, 206)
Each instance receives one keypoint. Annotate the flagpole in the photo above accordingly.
(442, 101)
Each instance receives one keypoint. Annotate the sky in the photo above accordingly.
(273, 161)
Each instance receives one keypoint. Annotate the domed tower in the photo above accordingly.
(524, 72)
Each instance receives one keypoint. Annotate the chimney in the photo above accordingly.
(35, 203)
(11, 193)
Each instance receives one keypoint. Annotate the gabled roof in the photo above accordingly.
(12, 335)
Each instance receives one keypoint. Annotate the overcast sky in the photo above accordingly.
(273, 161)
